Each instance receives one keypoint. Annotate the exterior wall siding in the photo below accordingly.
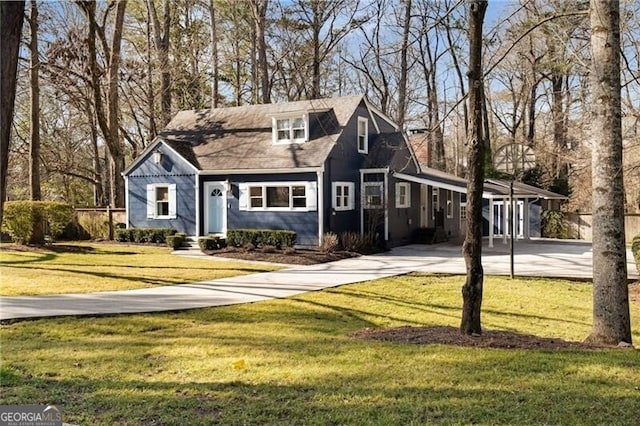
(172, 170)
(305, 224)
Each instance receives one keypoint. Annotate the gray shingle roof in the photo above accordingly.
(241, 137)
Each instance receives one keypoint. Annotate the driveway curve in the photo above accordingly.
(548, 258)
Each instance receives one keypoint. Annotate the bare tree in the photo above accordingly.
(215, 65)
(259, 12)
(611, 320)
(11, 18)
(472, 247)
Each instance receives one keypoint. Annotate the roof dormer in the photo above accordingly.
(290, 128)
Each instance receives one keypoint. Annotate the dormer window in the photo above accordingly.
(363, 135)
(292, 129)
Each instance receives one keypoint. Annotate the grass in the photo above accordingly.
(291, 361)
(86, 267)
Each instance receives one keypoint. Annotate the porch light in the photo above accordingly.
(157, 157)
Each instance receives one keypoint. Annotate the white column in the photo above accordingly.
(490, 222)
(505, 222)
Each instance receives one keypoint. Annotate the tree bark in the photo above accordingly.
(611, 319)
(402, 83)
(259, 10)
(472, 247)
(162, 43)
(214, 56)
(34, 75)
(11, 18)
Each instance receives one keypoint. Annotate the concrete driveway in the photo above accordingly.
(533, 258)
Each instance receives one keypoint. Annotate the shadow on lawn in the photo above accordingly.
(356, 397)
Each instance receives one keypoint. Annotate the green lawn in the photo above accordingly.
(301, 366)
(100, 267)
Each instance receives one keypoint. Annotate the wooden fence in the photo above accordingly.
(580, 225)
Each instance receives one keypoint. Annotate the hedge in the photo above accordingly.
(261, 237)
(19, 218)
(212, 243)
(635, 249)
(144, 235)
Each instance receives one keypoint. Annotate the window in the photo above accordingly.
(373, 195)
(363, 135)
(161, 201)
(343, 195)
(449, 204)
(255, 193)
(403, 195)
(281, 196)
(435, 202)
(290, 129)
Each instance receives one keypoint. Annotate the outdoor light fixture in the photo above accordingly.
(157, 157)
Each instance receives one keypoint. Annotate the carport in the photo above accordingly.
(507, 194)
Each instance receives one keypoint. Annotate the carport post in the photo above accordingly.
(490, 222)
(512, 227)
(505, 228)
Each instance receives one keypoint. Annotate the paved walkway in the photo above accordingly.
(537, 258)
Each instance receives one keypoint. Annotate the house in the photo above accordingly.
(308, 166)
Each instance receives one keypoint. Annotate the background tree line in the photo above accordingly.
(97, 80)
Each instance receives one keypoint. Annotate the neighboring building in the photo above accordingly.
(308, 166)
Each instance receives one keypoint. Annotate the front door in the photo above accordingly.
(216, 203)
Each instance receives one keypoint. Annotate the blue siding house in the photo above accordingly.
(308, 166)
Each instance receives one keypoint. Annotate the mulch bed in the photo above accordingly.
(297, 257)
(451, 336)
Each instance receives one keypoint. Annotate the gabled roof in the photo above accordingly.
(240, 138)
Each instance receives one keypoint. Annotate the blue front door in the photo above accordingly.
(216, 208)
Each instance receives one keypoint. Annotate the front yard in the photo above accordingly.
(295, 361)
(88, 267)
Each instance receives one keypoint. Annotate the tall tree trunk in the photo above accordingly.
(472, 247)
(151, 97)
(115, 144)
(214, 55)
(37, 236)
(11, 18)
(402, 83)
(559, 133)
(162, 42)
(611, 320)
(34, 75)
(259, 10)
(98, 187)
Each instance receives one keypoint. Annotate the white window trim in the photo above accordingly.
(407, 195)
(152, 202)
(449, 204)
(311, 195)
(291, 118)
(365, 204)
(351, 186)
(365, 150)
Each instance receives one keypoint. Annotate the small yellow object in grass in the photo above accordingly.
(239, 364)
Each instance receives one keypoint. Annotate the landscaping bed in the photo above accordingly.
(285, 256)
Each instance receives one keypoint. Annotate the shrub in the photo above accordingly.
(554, 224)
(330, 243)
(212, 243)
(19, 218)
(95, 225)
(635, 249)
(359, 243)
(260, 237)
(144, 235)
(175, 241)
